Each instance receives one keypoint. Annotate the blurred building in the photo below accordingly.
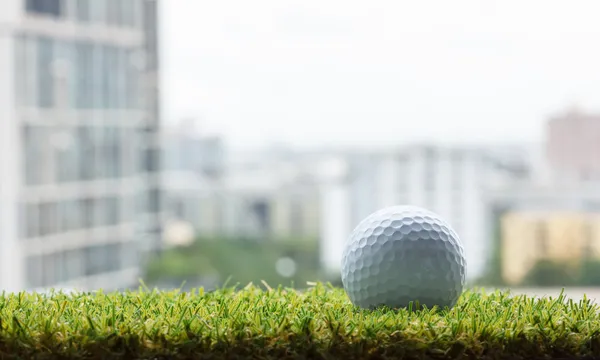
(514, 212)
(573, 145)
(259, 196)
(193, 169)
(449, 180)
(530, 236)
(275, 199)
(80, 183)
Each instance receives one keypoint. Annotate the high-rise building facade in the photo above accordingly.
(79, 148)
(573, 145)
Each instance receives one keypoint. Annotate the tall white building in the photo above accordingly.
(79, 117)
(451, 181)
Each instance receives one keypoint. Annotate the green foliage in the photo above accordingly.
(590, 273)
(551, 273)
(236, 260)
(493, 272)
(283, 323)
(555, 273)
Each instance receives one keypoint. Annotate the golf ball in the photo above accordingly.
(403, 254)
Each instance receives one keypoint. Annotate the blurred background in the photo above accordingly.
(209, 143)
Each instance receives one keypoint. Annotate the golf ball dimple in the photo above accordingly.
(403, 254)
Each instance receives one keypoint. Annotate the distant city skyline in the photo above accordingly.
(313, 73)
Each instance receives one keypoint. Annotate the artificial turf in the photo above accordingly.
(282, 323)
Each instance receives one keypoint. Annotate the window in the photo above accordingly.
(112, 77)
(49, 269)
(44, 7)
(142, 202)
(429, 159)
(28, 66)
(402, 171)
(154, 200)
(66, 155)
(456, 166)
(99, 170)
(34, 273)
(95, 260)
(150, 29)
(45, 80)
(87, 208)
(129, 254)
(32, 143)
(108, 74)
(66, 52)
(119, 85)
(113, 252)
(100, 212)
(83, 10)
(98, 136)
(75, 216)
(47, 218)
(127, 142)
(31, 220)
(127, 208)
(98, 11)
(106, 153)
(133, 80)
(429, 176)
(139, 151)
(151, 159)
(60, 268)
(115, 75)
(84, 75)
(113, 14)
(178, 208)
(112, 210)
(126, 13)
(86, 150)
(61, 76)
(98, 76)
(114, 152)
(136, 13)
(74, 263)
(63, 216)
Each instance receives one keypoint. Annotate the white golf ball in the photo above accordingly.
(403, 254)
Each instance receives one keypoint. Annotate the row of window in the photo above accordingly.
(122, 13)
(81, 153)
(150, 201)
(455, 164)
(151, 33)
(54, 73)
(50, 269)
(191, 154)
(55, 217)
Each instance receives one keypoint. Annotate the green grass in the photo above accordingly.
(283, 323)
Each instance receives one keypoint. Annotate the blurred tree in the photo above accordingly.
(238, 261)
(550, 273)
(589, 274)
(493, 272)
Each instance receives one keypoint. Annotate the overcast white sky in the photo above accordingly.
(338, 71)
